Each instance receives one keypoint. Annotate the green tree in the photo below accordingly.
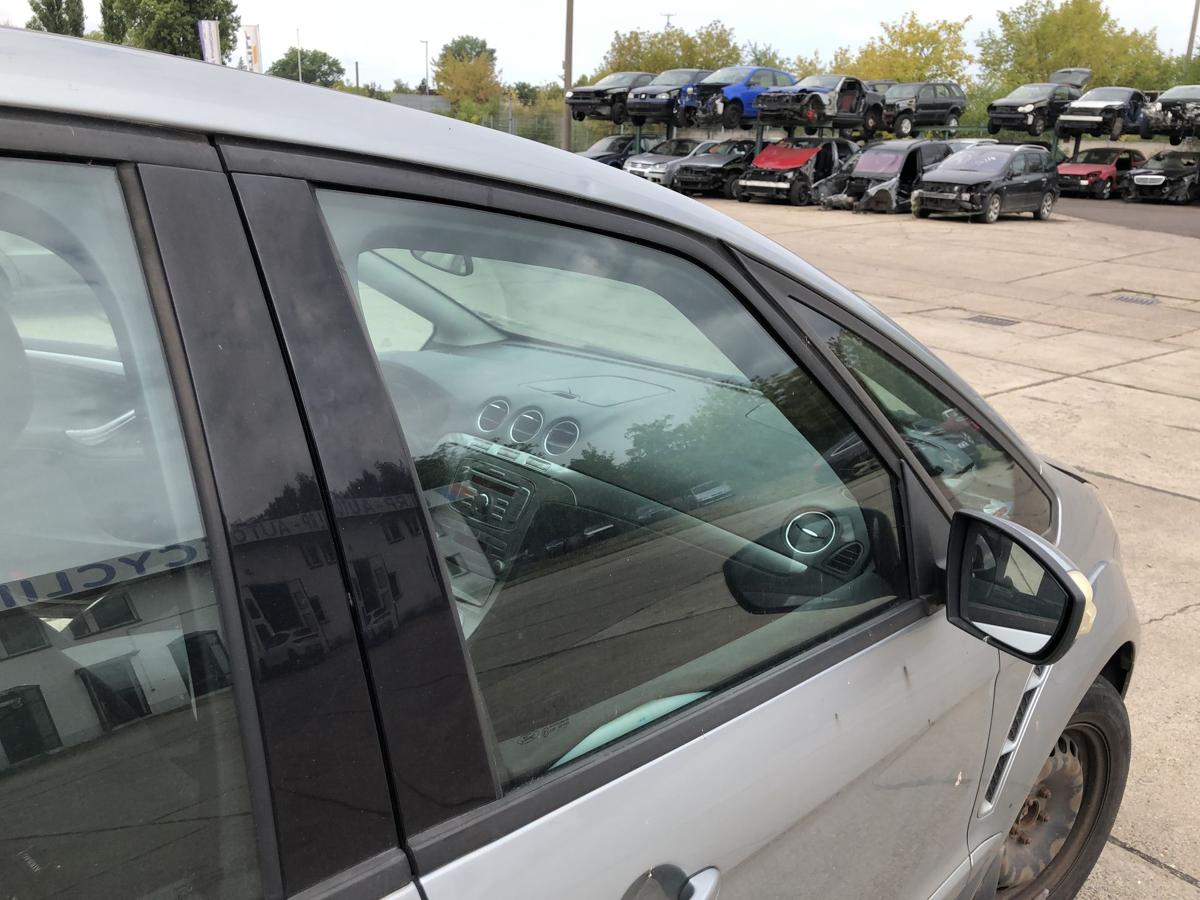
(465, 74)
(169, 26)
(112, 22)
(911, 50)
(709, 47)
(466, 47)
(56, 16)
(526, 93)
(1038, 36)
(316, 67)
(370, 89)
(400, 86)
(763, 55)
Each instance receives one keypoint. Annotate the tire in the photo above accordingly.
(1087, 770)
(731, 115)
(743, 197)
(952, 123)
(685, 116)
(811, 129)
(993, 127)
(800, 193)
(920, 213)
(637, 121)
(1104, 189)
(870, 123)
(618, 115)
(1175, 139)
(1118, 129)
(1038, 125)
(1045, 207)
(578, 115)
(991, 213)
(732, 190)
(902, 127)
(1145, 133)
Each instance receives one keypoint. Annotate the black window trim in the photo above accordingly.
(455, 837)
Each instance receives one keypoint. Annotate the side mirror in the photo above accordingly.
(453, 263)
(1012, 588)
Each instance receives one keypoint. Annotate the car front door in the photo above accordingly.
(1016, 188)
(668, 614)
(927, 106)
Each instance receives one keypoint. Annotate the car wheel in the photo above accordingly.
(800, 193)
(903, 126)
(742, 196)
(685, 117)
(731, 115)
(811, 129)
(1145, 133)
(732, 188)
(1065, 821)
(952, 123)
(1175, 139)
(1045, 207)
(1118, 129)
(993, 127)
(992, 211)
(870, 124)
(1104, 189)
(618, 112)
(920, 213)
(578, 115)
(1038, 125)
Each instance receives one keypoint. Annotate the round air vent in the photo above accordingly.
(492, 416)
(527, 424)
(810, 532)
(561, 437)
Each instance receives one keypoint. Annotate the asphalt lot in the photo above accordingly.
(1109, 386)
(1165, 217)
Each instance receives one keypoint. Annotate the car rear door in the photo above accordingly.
(592, 689)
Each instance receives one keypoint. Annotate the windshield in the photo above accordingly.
(609, 144)
(677, 77)
(1108, 93)
(1102, 155)
(1182, 92)
(826, 81)
(880, 161)
(1031, 92)
(727, 75)
(678, 147)
(617, 79)
(1172, 159)
(989, 160)
(902, 91)
(728, 147)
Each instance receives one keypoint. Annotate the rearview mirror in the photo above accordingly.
(1012, 588)
(454, 263)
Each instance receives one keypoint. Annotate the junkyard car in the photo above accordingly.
(986, 181)
(728, 95)
(882, 177)
(654, 159)
(1099, 171)
(912, 105)
(272, 355)
(824, 101)
(1172, 175)
(1110, 111)
(1175, 113)
(1036, 107)
(607, 98)
(662, 100)
(715, 168)
(615, 149)
(788, 169)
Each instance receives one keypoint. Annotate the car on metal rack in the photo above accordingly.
(713, 169)
(614, 149)
(727, 96)
(909, 106)
(606, 99)
(1036, 107)
(651, 164)
(881, 178)
(1174, 113)
(987, 181)
(1171, 175)
(1098, 172)
(788, 169)
(663, 99)
(1103, 112)
(824, 101)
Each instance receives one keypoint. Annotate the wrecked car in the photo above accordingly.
(882, 177)
(910, 105)
(1175, 113)
(1172, 175)
(824, 101)
(712, 169)
(787, 169)
(1098, 172)
(1104, 111)
(984, 182)
(1036, 107)
(607, 98)
(662, 99)
(616, 148)
(662, 152)
(726, 97)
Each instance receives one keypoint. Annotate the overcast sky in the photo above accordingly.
(384, 35)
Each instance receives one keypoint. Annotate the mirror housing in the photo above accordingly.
(453, 263)
(1013, 589)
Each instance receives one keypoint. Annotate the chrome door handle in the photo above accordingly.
(704, 885)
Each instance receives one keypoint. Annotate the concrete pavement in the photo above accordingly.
(1099, 366)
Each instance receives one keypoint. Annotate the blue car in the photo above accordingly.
(1104, 112)
(728, 95)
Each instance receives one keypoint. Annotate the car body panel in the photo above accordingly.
(597, 102)
(1022, 107)
(1175, 113)
(640, 164)
(1075, 176)
(649, 103)
(1172, 175)
(713, 98)
(1104, 111)
(709, 171)
(772, 172)
(925, 103)
(948, 190)
(848, 103)
(882, 177)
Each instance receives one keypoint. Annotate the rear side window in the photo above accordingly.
(639, 498)
(121, 772)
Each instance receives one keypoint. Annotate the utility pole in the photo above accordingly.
(1192, 33)
(426, 43)
(299, 57)
(356, 73)
(667, 16)
(567, 79)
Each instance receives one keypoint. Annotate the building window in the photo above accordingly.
(110, 611)
(312, 555)
(20, 633)
(392, 530)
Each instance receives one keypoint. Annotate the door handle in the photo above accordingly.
(704, 885)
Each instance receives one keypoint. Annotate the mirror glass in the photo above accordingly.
(454, 263)
(1008, 594)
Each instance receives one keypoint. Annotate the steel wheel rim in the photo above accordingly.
(1047, 205)
(993, 210)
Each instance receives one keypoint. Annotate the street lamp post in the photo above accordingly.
(1192, 33)
(426, 43)
(566, 141)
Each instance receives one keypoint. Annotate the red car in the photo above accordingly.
(1098, 171)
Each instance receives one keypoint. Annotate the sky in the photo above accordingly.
(384, 36)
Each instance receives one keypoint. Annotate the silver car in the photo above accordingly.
(275, 359)
(653, 164)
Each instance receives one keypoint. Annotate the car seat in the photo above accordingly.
(846, 101)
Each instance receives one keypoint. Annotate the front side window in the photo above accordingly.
(639, 498)
(121, 772)
(970, 468)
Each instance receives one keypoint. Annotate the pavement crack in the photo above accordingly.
(1185, 608)
(1155, 861)
(1138, 484)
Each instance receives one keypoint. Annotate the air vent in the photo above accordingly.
(525, 426)
(1036, 679)
(844, 561)
(810, 532)
(561, 437)
(492, 416)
